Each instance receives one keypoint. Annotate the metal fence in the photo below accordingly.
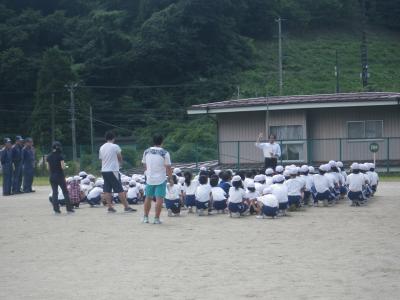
(244, 155)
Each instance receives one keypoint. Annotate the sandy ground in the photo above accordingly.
(321, 253)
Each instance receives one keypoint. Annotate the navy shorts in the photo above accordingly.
(283, 206)
(373, 188)
(190, 201)
(202, 205)
(269, 211)
(172, 204)
(237, 207)
(354, 196)
(343, 190)
(219, 205)
(94, 201)
(294, 200)
(323, 196)
(112, 182)
(132, 200)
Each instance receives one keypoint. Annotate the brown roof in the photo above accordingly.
(301, 99)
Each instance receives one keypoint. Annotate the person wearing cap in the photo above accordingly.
(271, 151)
(250, 198)
(268, 177)
(236, 204)
(322, 185)
(157, 163)
(356, 183)
(132, 195)
(308, 179)
(295, 186)
(83, 174)
(111, 158)
(6, 164)
(28, 165)
(17, 163)
(367, 191)
(94, 196)
(374, 177)
(55, 165)
(280, 191)
(203, 196)
(268, 203)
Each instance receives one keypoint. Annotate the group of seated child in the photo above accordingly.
(265, 194)
(270, 193)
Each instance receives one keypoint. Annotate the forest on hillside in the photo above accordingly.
(141, 63)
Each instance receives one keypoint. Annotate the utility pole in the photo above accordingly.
(364, 48)
(337, 73)
(53, 121)
(71, 88)
(91, 130)
(238, 92)
(279, 20)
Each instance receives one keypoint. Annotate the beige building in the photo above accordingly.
(310, 128)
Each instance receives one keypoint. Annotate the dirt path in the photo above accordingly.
(322, 253)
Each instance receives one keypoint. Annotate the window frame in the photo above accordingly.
(364, 138)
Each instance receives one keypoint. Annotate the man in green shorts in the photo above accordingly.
(157, 164)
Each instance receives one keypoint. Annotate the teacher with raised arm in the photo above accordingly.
(271, 151)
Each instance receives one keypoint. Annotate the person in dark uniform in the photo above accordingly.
(28, 162)
(17, 163)
(6, 164)
(55, 164)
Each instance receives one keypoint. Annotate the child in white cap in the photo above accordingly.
(218, 195)
(280, 191)
(367, 191)
(321, 184)
(269, 204)
(259, 182)
(279, 170)
(308, 180)
(94, 196)
(251, 196)
(132, 195)
(355, 182)
(268, 177)
(374, 178)
(86, 186)
(236, 205)
(173, 198)
(295, 187)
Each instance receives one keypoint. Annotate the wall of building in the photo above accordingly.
(326, 130)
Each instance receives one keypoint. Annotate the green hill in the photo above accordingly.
(309, 61)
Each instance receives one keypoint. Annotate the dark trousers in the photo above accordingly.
(7, 178)
(270, 162)
(28, 179)
(55, 182)
(17, 177)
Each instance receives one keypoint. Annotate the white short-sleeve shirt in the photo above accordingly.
(95, 192)
(236, 195)
(280, 192)
(156, 159)
(356, 182)
(108, 155)
(203, 193)
(269, 200)
(321, 183)
(269, 148)
(218, 193)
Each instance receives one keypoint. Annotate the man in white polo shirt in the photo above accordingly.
(271, 151)
(157, 163)
(110, 156)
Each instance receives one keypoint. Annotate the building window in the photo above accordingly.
(369, 129)
(289, 132)
(290, 137)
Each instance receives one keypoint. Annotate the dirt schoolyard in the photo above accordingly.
(321, 253)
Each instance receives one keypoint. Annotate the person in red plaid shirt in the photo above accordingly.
(74, 190)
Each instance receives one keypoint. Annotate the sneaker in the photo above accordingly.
(200, 212)
(71, 211)
(57, 211)
(170, 214)
(260, 217)
(129, 209)
(111, 210)
(145, 220)
(157, 221)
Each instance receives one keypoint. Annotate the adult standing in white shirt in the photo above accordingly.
(111, 158)
(157, 163)
(271, 151)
